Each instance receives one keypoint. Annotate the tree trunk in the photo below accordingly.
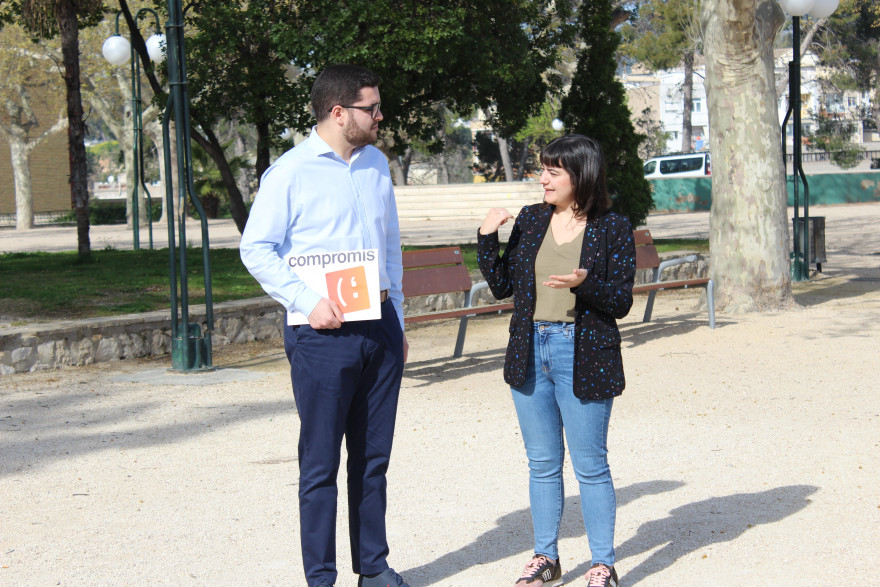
(153, 130)
(212, 146)
(749, 237)
(396, 168)
(129, 162)
(442, 169)
(21, 122)
(21, 173)
(406, 161)
(68, 27)
(688, 103)
(263, 153)
(505, 158)
(875, 109)
(523, 159)
(240, 151)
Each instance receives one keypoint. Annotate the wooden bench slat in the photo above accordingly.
(643, 237)
(427, 257)
(647, 257)
(473, 311)
(432, 280)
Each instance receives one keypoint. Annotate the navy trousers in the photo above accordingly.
(346, 383)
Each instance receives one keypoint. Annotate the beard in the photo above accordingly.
(357, 136)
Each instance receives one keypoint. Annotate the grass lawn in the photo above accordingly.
(51, 286)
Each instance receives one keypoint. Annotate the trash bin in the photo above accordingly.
(817, 238)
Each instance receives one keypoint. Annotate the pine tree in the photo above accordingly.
(596, 106)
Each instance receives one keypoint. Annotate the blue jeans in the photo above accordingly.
(546, 405)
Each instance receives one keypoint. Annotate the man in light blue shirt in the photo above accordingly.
(331, 193)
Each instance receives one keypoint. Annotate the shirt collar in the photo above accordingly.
(320, 147)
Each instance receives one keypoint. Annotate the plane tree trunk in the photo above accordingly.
(749, 233)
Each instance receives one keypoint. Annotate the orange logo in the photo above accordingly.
(348, 288)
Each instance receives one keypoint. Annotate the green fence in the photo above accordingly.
(695, 193)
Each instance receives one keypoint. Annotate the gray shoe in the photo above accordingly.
(387, 578)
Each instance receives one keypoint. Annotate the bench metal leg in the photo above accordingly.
(710, 301)
(462, 324)
(649, 308)
(459, 342)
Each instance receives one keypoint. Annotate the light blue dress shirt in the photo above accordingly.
(312, 201)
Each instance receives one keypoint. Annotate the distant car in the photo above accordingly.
(689, 165)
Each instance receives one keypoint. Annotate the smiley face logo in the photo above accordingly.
(348, 288)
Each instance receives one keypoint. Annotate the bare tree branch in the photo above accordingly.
(782, 82)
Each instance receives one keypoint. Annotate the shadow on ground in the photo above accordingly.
(686, 530)
(695, 526)
(822, 289)
(512, 535)
(47, 429)
(449, 369)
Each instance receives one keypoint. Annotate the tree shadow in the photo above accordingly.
(823, 290)
(448, 369)
(695, 526)
(639, 333)
(41, 430)
(512, 534)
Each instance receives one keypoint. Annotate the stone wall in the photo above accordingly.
(51, 345)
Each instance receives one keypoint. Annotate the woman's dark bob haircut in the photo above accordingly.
(582, 158)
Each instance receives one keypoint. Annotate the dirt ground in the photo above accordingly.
(748, 453)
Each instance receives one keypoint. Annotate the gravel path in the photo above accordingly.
(750, 453)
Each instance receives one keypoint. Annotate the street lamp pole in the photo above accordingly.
(190, 348)
(117, 50)
(801, 257)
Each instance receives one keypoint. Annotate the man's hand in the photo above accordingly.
(326, 315)
(573, 279)
(405, 347)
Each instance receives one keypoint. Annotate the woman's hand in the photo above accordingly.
(494, 219)
(573, 279)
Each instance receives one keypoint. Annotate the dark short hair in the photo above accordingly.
(339, 84)
(582, 158)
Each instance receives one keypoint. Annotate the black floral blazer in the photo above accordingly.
(608, 255)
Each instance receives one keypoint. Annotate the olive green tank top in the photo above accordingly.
(552, 304)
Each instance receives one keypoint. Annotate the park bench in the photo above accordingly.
(648, 258)
(442, 271)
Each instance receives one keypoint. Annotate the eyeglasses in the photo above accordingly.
(372, 109)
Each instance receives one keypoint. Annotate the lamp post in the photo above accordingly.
(117, 50)
(190, 347)
(800, 264)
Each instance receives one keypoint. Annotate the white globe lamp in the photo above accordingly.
(116, 50)
(557, 125)
(156, 48)
(824, 8)
(796, 7)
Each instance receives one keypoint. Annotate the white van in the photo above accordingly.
(689, 165)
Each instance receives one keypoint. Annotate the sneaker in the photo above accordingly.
(601, 575)
(540, 572)
(387, 578)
